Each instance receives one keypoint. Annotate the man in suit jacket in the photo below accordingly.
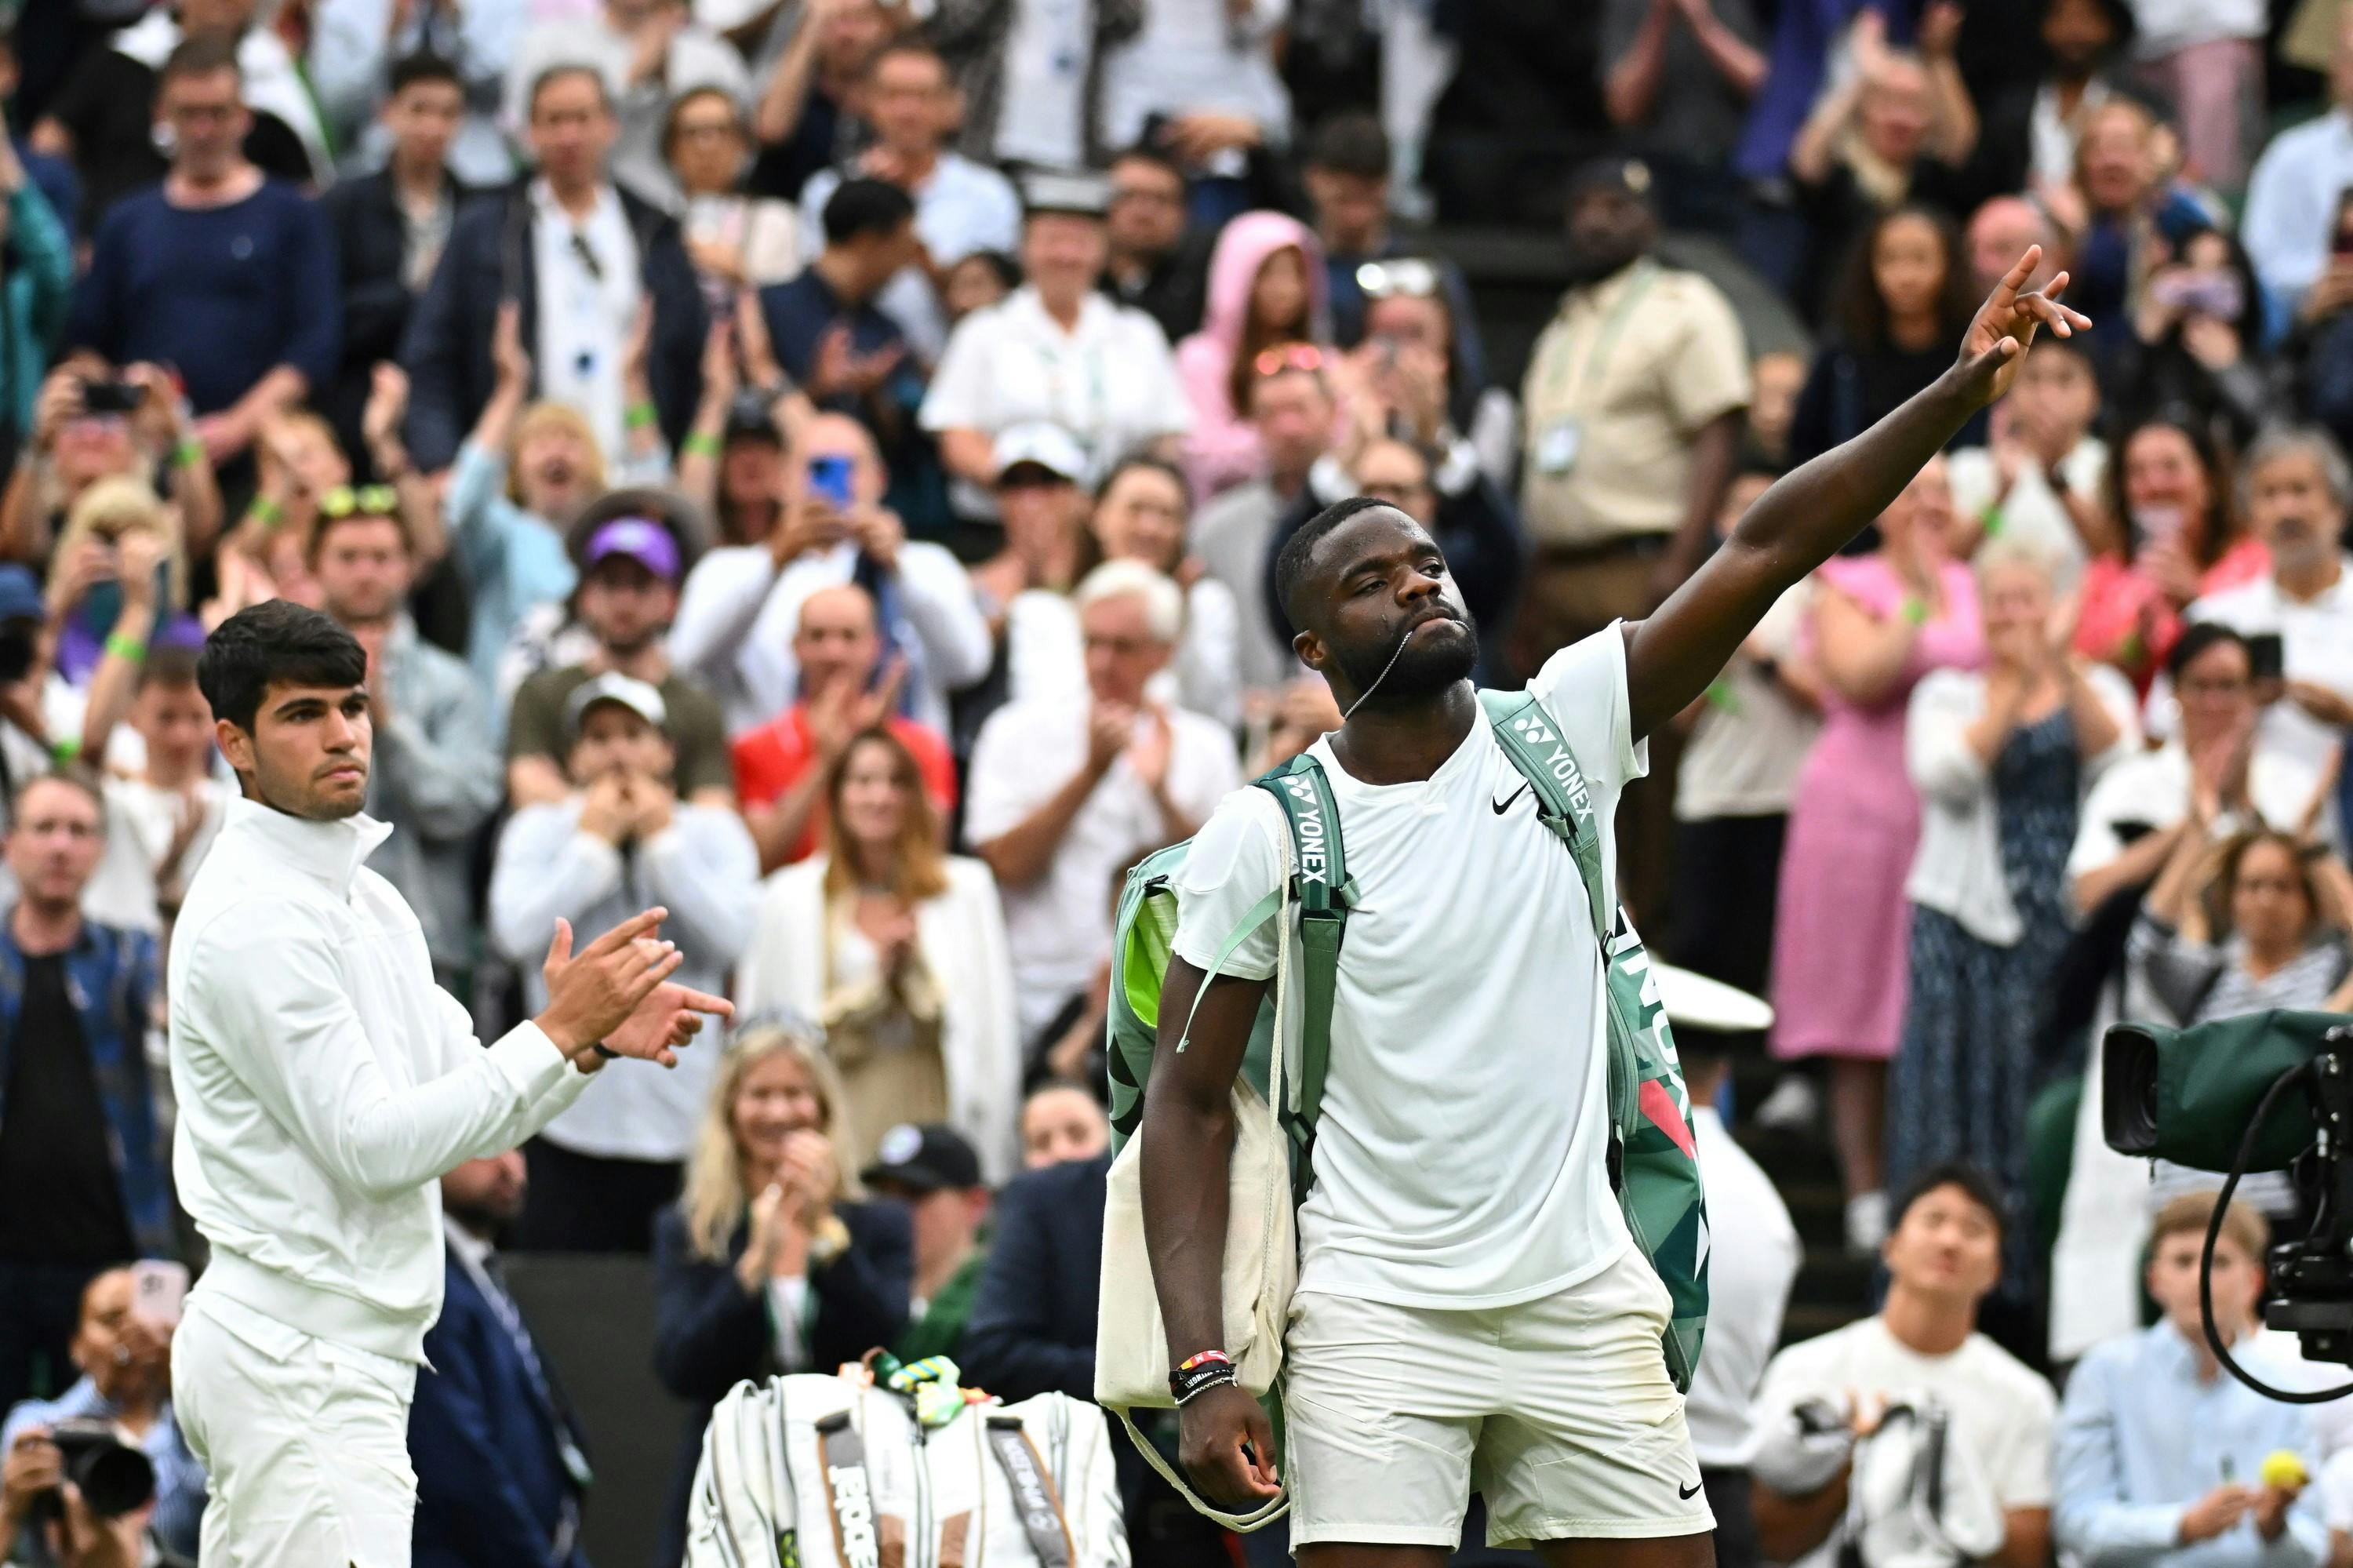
(579, 256)
(500, 1461)
(391, 228)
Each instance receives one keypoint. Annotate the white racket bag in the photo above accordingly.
(809, 1471)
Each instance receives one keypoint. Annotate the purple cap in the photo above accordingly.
(643, 541)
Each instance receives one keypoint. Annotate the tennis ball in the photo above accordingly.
(2282, 1469)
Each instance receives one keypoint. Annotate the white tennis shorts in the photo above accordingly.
(305, 1442)
(1559, 1412)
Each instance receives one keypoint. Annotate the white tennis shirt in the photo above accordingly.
(1460, 1155)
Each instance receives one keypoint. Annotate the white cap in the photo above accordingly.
(1696, 1002)
(1048, 445)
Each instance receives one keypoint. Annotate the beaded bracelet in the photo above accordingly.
(1199, 1373)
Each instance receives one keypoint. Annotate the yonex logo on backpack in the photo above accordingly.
(1315, 864)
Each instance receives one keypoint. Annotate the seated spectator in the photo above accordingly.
(1828, 1400)
(1154, 263)
(765, 1264)
(298, 460)
(1898, 130)
(501, 1460)
(2168, 537)
(2002, 759)
(2319, 349)
(519, 482)
(434, 776)
(119, 571)
(2144, 807)
(1753, 1258)
(1032, 1331)
(1347, 178)
(592, 271)
(1777, 379)
(125, 1360)
(38, 292)
(2295, 196)
(1062, 794)
(1292, 405)
(73, 446)
(351, 40)
(782, 768)
(161, 819)
(961, 206)
(1471, 520)
(2003, 227)
(2297, 490)
(1208, 73)
(647, 52)
(82, 1129)
(934, 1173)
(1265, 293)
(103, 116)
(803, 118)
(732, 466)
(221, 272)
(1903, 304)
(2031, 129)
(2133, 1480)
(1744, 743)
(628, 592)
(2042, 474)
(1676, 82)
(1141, 513)
(825, 326)
(1300, 713)
(981, 279)
(735, 241)
(1023, 589)
(2195, 342)
(898, 950)
(1422, 372)
(1061, 1122)
(1023, 103)
(1056, 351)
(390, 228)
(737, 619)
(2125, 201)
(603, 1167)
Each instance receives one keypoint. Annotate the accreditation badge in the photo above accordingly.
(1557, 446)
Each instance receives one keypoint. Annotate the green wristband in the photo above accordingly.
(189, 453)
(66, 750)
(265, 511)
(638, 415)
(700, 444)
(1990, 520)
(124, 646)
(1915, 610)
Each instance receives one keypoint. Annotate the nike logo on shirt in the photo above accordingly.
(1504, 804)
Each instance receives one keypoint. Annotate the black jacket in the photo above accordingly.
(371, 241)
(490, 258)
(1033, 1328)
(709, 1335)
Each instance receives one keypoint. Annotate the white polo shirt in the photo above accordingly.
(1460, 1155)
(2317, 645)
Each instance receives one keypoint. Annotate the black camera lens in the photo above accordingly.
(112, 1476)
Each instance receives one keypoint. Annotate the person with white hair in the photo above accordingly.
(1063, 796)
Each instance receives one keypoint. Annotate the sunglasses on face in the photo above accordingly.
(366, 500)
(1288, 356)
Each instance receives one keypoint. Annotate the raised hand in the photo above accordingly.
(388, 400)
(1995, 346)
(592, 994)
(665, 1023)
(508, 356)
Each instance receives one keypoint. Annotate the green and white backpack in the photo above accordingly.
(1653, 1167)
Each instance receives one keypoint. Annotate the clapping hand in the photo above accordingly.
(1995, 346)
(592, 994)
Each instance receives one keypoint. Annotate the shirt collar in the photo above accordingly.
(1091, 310)
(330, 852)
(545, 205)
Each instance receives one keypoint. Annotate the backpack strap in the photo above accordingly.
(1320, 883)
(1564, 802)
(1033, 1492)
(849, 1498)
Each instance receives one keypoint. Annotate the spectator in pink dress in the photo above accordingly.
(1267, 289)
(1841, 935)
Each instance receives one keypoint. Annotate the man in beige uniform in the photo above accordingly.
(1635, 399)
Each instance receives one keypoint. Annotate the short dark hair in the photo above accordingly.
(324, 524)
(556, 73)
(1975, 1184)
(907, 46)
(1351, 143)
(1008, 270)
(1299, 550)
(274, 644)
(1150, 152)
(73, 776)
(677, 112)
(201, 54)
(2197, 638)
(860, 207)
(169, 664)
(422, 66)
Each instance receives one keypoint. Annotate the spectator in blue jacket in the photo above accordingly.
(222, 272)
(765, 1264)
(564, 245)
(38, 287)
(77, 1122)
(501, 1462)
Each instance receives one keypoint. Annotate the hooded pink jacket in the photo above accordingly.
(1223, 448)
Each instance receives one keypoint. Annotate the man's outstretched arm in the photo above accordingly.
(1801, 522)
(1188, 1141)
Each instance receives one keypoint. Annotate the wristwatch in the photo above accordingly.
(828, 1241)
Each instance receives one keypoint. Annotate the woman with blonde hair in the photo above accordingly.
(766, 1265)
(898, 949)
(116, 525)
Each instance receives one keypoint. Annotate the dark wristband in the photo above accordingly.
(601, 1051)
(1201, 1372)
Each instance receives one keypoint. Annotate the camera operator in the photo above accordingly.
(2160, 1459)
(88, 425)
(125, 1357)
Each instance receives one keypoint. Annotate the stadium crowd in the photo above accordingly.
(816, 465)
